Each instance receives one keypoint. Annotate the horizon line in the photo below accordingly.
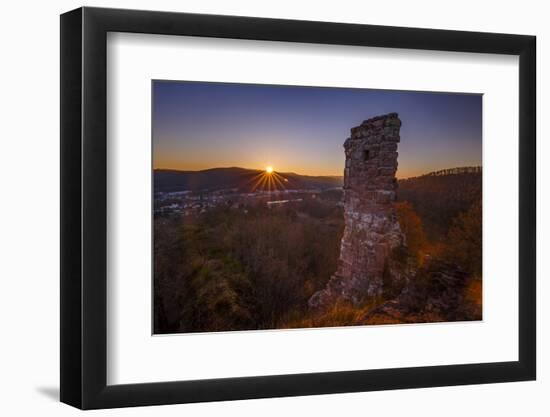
(249, 169)
(310, 175)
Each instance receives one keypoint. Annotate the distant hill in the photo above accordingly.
(451, 171)
(438, 197)
(241, 178)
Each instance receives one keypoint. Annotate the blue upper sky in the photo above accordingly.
(200, 125)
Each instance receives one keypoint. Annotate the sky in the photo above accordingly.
(200, 125)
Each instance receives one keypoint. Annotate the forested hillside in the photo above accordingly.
(439, 197)
(251, 265)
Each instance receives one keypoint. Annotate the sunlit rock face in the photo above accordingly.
(371, 227)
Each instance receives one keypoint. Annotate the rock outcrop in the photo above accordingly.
(371, 231)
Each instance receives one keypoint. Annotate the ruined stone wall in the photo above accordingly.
(371, 227)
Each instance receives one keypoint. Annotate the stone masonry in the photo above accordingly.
(371, 228)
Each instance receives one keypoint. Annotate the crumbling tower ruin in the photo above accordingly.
(371, 227)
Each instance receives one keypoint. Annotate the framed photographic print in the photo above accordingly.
(257, 208)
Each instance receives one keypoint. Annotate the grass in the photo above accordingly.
(340, 314)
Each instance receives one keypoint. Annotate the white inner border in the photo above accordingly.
(134, 356)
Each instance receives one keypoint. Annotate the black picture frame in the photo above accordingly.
(84, 207)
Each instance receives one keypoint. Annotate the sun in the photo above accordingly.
(269, 169)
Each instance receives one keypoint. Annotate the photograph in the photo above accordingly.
(243, 209)
(284, 207)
